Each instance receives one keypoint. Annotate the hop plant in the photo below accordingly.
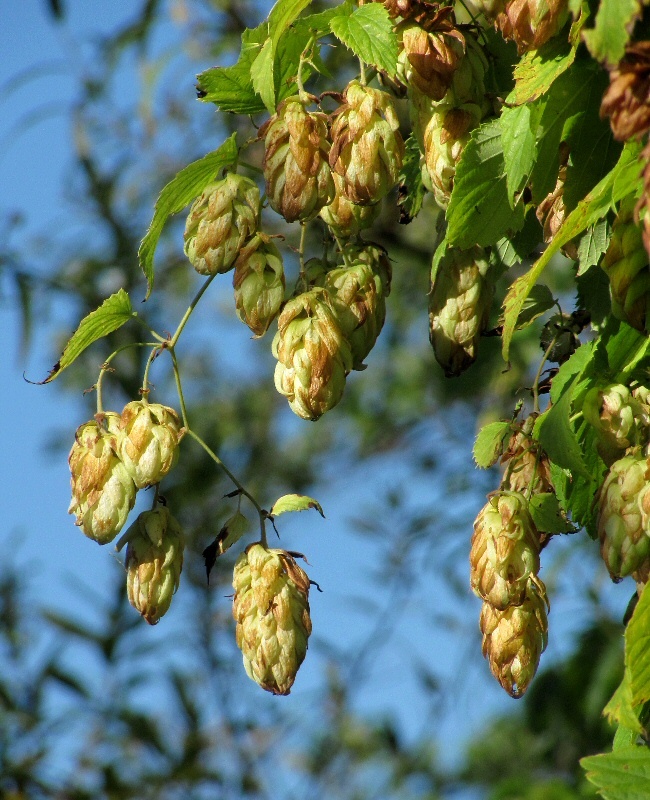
(625, 101)
(154, 560)
(345, 218)
(271, 609)
(531, 23)
(528, 468)
(627, 267)
(489, 9)
(103, 492)
(259, 284)
(514, 638)
(313, 355)
(148, 446)
(367, 147)
(298, 178)
(624, 515)
(505, 550)
(618, 418)
(221, 220)
(459, 307)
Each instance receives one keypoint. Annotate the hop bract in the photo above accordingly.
(367, 147)
(313, 355)
(345, 218)
(103, 492)
(154, 560)
(618, 418)
(296, 169)
(624, 516)
(505, 550)
(514, 639)
(531, 23)
(528, 468)
(459, 307)
(221, 220)
(258, 282)
(149, 442)
(271, 609)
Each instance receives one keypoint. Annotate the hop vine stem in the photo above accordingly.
(106, 365)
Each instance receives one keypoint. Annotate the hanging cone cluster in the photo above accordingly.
(345, 218)
(148, 445)
(527, 466)
(271, 609)
(619, 417)
(531, 23)
(258, 281)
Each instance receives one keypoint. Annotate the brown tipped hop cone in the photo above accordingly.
(620, 419)
(531, 23)
(271, 609)
(103, 492)
(149, 442)
(514, 639)
(221, 220)
(258, 282)
(154, 560)
(627, 100)
(505, 550)
(345, 218)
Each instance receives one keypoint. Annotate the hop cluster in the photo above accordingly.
(531, 23)
(259, 284)
(626, 100)
(620, 417)
(271, 609)
(148, 445)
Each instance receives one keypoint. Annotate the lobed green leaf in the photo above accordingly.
(369, 33)
(621, 775)
(615, 21)
(637, 650)
(295, 502)
(548, 515)
(537, 70)
(488, 447)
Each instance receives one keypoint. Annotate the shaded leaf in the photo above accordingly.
(637, 650)
(593, 243)
(295, 502)
(538, 69)
(614, 23)
(518, 132)
(411, 190)
(547, 514)
(558, 439)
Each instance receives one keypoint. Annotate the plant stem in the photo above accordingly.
(105, 365)
(538, 375)
(305, 57)
(172, 342)
(301, 249)
(363, 80)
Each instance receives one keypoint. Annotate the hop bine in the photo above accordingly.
(259, 284)
(148, 446)
(103, 492)
(154, 560)
(271, 609)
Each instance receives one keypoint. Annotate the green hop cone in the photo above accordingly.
(296, 169)
(528, 467)
(345, 218)
(221, 220)
(367, 147)
(258, 282)
(505, 550)
(514, 639)
(459, 307)
(103, 492)
(618, 417)
(624, 515)
(271, 609)
(154, 560)
(531, 23)
(148, 446)
(313, 355)
(628, 270)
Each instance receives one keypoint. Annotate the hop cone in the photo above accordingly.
(154, 560)
(298, 178)
(505, 550)
(514, 639)
(531, 23)
(617, 416)
(626, 100)
(148, 446)
(628, 270)
(258, 282)
(345, 218)
(313, 355)
(221, 220)
(624, 515)
(367, 148)
(459, 307)
(358, 293)
(103, 492)
(271, 609)
(528, 466)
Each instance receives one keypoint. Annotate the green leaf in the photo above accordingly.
(295, 502)
(587, 212)
(593, 243)
(178, 194)
(319, 24)
(558, 439)
(488, 447)
(411, 189)
(539, 301)
(262, 76)
(479, 212)
(614, 24)
(547, 514)
(620, 709)
(369, 33)
(518, 128)
(620, 775)
(283, 14)
(537, 70)
(111, 315)
(626, 351)
(511, 251)
(572, 368)
(231, 532)
(637, 650)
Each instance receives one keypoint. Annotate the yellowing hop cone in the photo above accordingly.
(103, 492)
(531, 23)
(258, 282)
(154, 560)
(271, 609)
(149, 442)
(345, 218)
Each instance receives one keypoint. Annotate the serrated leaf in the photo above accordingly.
(411, 189)
(540, 299)
(620, 775)
(587, 212)
(295, 502)
(488, 447)
(111, 315)
(178, 194)
(369, 33)
(320, 24)
(518, 132)
(538, 69)
(262, 76)
(593, 243)
(547, 514)
(637, 650)
(572, 368)
(614, 24)
(558, 439)
(514, 250)
(231, 532)
(479, 212)
(626, 351)
(619, 709)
